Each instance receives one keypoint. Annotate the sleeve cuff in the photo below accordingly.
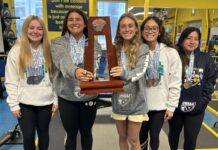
(172, 109)
(17, 107)
(74, 72)
(55, 101)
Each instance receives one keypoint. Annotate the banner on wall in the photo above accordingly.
(57, 9)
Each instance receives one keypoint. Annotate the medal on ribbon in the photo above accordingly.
(77, 49)
(153, 68)
(187, 84)
(150, 82)
(189, 70)
(35, 72)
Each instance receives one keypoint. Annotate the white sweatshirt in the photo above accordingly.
(165, 96)
(19, 91)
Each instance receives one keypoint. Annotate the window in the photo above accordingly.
(113, 9)
(24, 8)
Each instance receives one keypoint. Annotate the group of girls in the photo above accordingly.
(161, 83)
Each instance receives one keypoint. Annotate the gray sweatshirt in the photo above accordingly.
(65, 83)
(133, 100)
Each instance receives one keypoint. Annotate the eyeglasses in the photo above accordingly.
(151, 28)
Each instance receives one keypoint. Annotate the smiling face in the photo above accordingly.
(75, 24)
(151, 31)
(127, 28)
(191, 42)
(35, 32)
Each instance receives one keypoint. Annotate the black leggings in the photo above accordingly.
(192, 126)
(153, 126)
(77, 116)
(35, 118)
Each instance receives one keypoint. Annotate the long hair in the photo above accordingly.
(134, 43)
(180, 47)
(25, 58)
(81, 13)
(161, 38)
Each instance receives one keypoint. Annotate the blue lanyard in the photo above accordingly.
(153, 64)
(77, 49)
(37, 57)
(189, 69)
(38, 63)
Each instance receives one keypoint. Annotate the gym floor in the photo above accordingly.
(104, 131)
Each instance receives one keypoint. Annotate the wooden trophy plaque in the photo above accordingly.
(98, 26)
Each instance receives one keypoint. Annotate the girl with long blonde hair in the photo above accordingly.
(25, 46)
(28, 81)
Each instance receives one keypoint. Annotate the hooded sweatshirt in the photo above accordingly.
(195, 99)
(165, 95)
(31, 90)
(133, 100)
(65, 83)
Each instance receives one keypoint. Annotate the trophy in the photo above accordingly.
(100, 26)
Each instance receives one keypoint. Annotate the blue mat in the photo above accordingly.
(7, 122)
(2, 67)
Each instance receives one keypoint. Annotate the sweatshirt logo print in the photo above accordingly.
(197, 76)
(124, 99)
(77, 92)
(187, 106)
(160, 73)
(35, 73)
